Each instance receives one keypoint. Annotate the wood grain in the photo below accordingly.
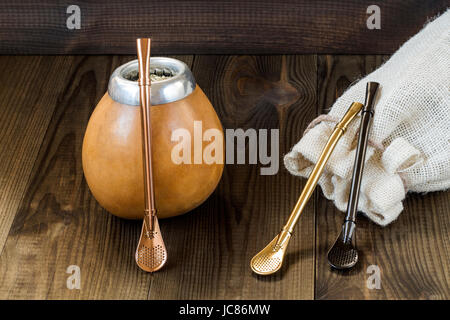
(27, 100)
(49, 219)
(219, 27)
(212, 246)
(412, 253)
(59, 223)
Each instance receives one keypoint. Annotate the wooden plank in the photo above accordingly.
(412, 253)
(27, 100)
(204, 27)
(210, 248)
(59, 223)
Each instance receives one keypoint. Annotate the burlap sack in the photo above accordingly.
(409, 145)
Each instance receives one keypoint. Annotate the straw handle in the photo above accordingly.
(358, 168)
(143, 52)
(320, 165)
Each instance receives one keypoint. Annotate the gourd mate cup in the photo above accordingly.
(112, 147)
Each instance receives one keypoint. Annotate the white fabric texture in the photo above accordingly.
(409, 142)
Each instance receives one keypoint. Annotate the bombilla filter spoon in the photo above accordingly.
(270, 259)
(151, 253)
(344, 254)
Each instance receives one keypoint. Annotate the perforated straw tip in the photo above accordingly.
(265, 264)
(342, 255)
(151, 253)
(270, 259)
(151, 259)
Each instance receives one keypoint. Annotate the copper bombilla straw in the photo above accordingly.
(143, 52)
(151, 253)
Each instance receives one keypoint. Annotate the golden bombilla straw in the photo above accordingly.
(151, 254)
(270, 259)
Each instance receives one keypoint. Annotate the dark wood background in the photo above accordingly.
(204, 27)
(49, 219)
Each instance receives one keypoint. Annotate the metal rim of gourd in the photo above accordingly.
(172, 81)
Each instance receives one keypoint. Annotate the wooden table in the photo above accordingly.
(49, 220)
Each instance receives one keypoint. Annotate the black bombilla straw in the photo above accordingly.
(358, 168)
(344, 254)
